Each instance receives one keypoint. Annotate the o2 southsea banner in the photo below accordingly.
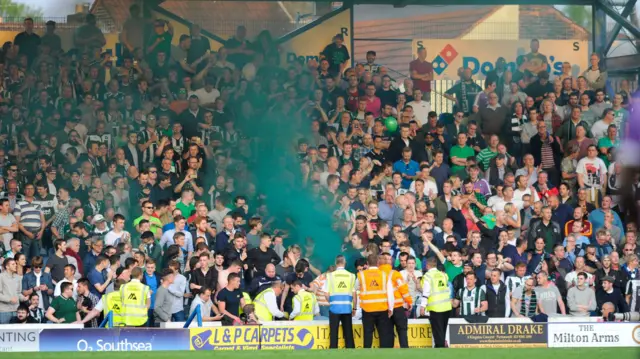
(290, 337)
(108, 340)
(591, 335)
(19, 340)
(514, 335)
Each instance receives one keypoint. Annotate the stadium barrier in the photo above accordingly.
(501, 333)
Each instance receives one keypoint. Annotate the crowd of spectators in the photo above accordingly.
(147, 161)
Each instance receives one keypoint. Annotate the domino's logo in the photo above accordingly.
(444, 59)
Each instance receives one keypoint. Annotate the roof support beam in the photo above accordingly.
(623, 64)
(618, 18)
(628, 8)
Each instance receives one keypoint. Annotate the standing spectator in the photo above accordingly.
(204, 276)
(163, 305)
(10, 290)
(63, 308)
(88, 38)
(547, 152)
(38, 282)
(581, 299)
(8, 223)
(27, 41)
(85, 301)
(337, 55)
(472, 299)
(422, 73)
(133, 31)
(99, 277)
(69, 277)
(177, 289)
(51, 39)
(231, 300)
(57, 262)
(31, 221)
(160, 41)
(592, 175)
(497, 295)
(611, 294)
(152, 280)
(548, 296)
(524, 301)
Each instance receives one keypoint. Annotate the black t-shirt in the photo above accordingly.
(28, 44)
(336, 56)
(56, 266)
(289, 278)
(231, 299)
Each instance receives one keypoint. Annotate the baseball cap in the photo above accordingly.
(608, 278)
(98, 218)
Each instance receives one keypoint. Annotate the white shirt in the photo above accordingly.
(207, 97)
(413, 290)
(592, 170)
(272, 304)
(426, 290)
(499, 205)
(600, 129)
(428, 186)
(112, 238)
(518, 194)
(297, 307)
(57, 292)
(5, 222)
(420, 111)
(40, 301)
(572, 279)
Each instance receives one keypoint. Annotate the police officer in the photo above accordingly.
(136, 299)
(436, 298)
(305, 305)
(372, 284)
(340, 285)
(266, 304)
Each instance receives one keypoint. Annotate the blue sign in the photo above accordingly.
(107, 340)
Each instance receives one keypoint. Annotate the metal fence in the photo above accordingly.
(17, 23)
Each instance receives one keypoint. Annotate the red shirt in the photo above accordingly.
(373, 106)
(422, 68)
(352, 99)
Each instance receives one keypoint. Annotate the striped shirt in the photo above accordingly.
(484, 158)
(547, 155)
(471, 299)
(633, 289)
(48, 205)
(29, 213)
(148, 155)
(514, 282)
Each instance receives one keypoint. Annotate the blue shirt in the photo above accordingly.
(385, 211)
(152, 282)
(410, 169)
(510, 251)
(95, 277)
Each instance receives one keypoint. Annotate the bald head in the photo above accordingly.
(270, 270)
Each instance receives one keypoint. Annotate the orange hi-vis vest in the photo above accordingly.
(373, 290)
(400, 287)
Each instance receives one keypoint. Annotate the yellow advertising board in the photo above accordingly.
(290, 337)
(307, 42)
(447, 56)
